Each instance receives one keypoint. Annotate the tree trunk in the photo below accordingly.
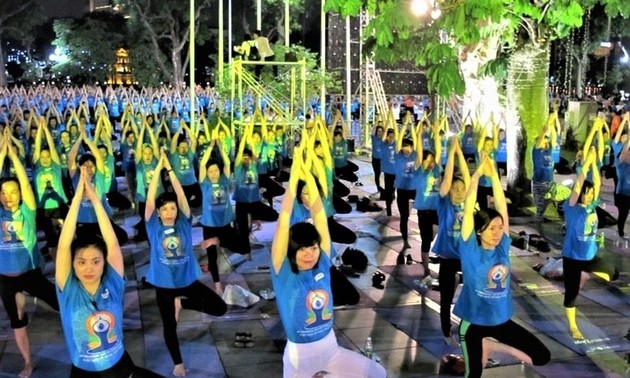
(280, 27)
(528, 110)
(178, 75)
(3, 73)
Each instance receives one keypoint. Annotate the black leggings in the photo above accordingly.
(118, 200)
(258, 211)
(573, 274)
(343, 291)
(376, 167)
(446, 277)
(426, 220)
(623, 205)
(272, 188)
(339, 233)
(123, 368)
(389, 179)
(229, 238)
(196, 296)
(34, 283)
(402, 200)
(347, 172)
(341, 206)
(509, 333)
(339, 189)
(482, 196)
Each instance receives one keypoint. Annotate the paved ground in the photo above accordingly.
(403, 323)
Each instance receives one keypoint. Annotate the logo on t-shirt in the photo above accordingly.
(590, 226)
(317, 308)
(11, 231)
(172, 246)
(100, 327)
(497, 278)
(218, 195)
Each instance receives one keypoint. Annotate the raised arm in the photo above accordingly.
(100, 163)
(27, 191)
(280, 242)
(63, 262)
(579, 181)
(182, 201)
(468, 219)
(500, 204)
(445, 186)
(152, 190)
(72, 156)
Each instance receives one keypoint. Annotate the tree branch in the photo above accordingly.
(15, 11)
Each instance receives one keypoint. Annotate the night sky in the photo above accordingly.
(64, 8)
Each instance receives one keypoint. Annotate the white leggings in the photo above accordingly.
(305, 360)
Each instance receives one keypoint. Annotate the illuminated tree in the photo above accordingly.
(18, 19)
(471, 39)
(164, 25)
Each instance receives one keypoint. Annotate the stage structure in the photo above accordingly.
(243, 82)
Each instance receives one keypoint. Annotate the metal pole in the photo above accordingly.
(220, 55)
(322, 61)
(348, 72)
(286, 23)
(191, 64)
(230, 37)
(259, 14)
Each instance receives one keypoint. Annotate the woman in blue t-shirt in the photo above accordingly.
(91, 287)
(485, 303)
(622, 188)
(20, 265)
(217, 213)
(174, 271)
(579, 251)
(377, 146)
(301, 280)
(450, 211)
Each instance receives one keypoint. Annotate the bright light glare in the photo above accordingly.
(419, 7)
(625, 58)
(436, 13)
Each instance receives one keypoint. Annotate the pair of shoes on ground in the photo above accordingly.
(404, 259)
(244, 340)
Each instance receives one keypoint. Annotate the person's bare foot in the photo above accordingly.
(576, 334)
(218, 288)
(179, 370)
(178, 311)
(26, 371)
(20, 301)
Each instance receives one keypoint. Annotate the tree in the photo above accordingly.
(90, 44)
(274, 14)
(18, 19)
(166, 26)
(475, 38)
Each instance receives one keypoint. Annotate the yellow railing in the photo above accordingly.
(243, 81)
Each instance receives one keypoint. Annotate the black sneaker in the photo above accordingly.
(400, 260)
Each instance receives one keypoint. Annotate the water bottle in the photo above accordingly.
(601, 241)
(368, 349)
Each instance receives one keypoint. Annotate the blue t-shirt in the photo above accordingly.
(579, 242)
(623, 178)
(388, 158)
(299, 213)
(183, 167)
(428, 142)
(377, 147)
(555, 151)
(486, 298)
(173, 263)
(128, 157)
(405, 170)
(93, 325)
(449, 228)
(304, 300)
(48, 186)
(246, 188)
(428, 188)
(340, 153)
(18, 249)
(217, 208)
(502, 151)
(543, 164)
(144, 174)
(484, 180)
(468, 143)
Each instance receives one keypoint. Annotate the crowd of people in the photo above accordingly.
(61, 151)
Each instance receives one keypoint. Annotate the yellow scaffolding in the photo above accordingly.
(242, 80)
